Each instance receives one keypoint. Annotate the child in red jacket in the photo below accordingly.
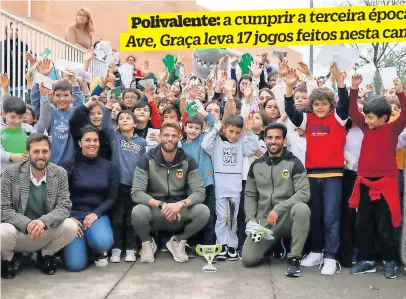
(375, 191)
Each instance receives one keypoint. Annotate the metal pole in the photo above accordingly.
(311, 47)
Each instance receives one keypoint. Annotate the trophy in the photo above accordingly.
(208, 252)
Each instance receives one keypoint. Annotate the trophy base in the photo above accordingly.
(209, 268)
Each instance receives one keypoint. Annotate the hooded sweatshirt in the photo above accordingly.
(125, 150)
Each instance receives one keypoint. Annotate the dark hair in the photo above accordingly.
(394, 102)
(170, 109)
(379, 106)
(62, 86)
(170, 125)
(29, 107)
(14, 104)
(180, 85)
(131, 89)
(142, 104)
(274, 126)
(322, 94)
(36, 137)
(238, 104)
(246, 76)
(234, 120)
(162, 101)
(265, 118)
(126, 112)
(88, 129)
(268, 91)
(130, 57)
(195, 119)
(122, 106)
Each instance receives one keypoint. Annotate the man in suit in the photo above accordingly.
(35, 208)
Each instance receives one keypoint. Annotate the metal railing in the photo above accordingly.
(35, 40)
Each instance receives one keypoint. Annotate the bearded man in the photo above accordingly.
(169, 193)
(276, 196)
(35, 208)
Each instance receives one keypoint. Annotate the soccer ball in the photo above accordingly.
(256, 237)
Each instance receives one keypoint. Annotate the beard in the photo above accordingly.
(274, 149)
(35, 164)
(169, 147)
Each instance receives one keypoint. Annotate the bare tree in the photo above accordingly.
(381, 54)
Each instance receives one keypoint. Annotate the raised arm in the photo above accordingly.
(400, 123)
(107, 124)
(343, 101)
(208, 141)
(296, 117)
(45, 117)
(357, 117)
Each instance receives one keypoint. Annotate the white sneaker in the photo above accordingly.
(130, 256)
(312, 259)
(115, 255)
(102, 260)
(329, 267)
(178, 250)
(148, 251)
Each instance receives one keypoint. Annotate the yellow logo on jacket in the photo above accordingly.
(179, 173)
(285, 174)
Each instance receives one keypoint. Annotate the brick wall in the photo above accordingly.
(110, 18)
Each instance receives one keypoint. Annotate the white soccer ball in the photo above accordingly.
(256, 237)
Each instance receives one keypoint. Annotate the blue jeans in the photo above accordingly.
(99, 238)
(325, 205)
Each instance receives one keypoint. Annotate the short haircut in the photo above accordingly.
(36, 137)
(394, 102)
(301, 89)
(195, 119)
(131, 89)
(234, 120)
(62, 86)
(162, 101)
(379, 106)
(126, 112)
(265, 118)
(96, 104)
(274, 126)
(142, 104)
(322, 94)
(29, 107)
(170, 109)
(170, 125)
(14, 104)
(88, 129)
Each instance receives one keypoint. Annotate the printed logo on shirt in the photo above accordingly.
(129, 146)
(285, 174)
(230, 155)
(179, 173)
(4, 136)
(319, 129)
(61, 128)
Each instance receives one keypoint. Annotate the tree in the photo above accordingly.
(381, 54)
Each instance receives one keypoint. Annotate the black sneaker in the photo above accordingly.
(363, 267)
(47, 264)
(222, 256)
(389, 269)
(293, 268)
(191, 251)
(232, 254)
(8, 270)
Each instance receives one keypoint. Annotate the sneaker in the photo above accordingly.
(293, 268)
(312, 259)
(102, 260)
(130, 256)
(363, 267)
(329, 267)
(232, 254)
(47, 264)
(191, 251)
(389, 269)
(177, 249)
(222, 256)
(115, 255)
(8, 270)
(148, 251)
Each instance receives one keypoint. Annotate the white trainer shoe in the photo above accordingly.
(115, 255)
(312, 259)
(329, 267)
(130, 256)
(148, 251)
(102, 260)
(178, 250)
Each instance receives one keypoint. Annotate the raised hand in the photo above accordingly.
(291, 77)
(283, 67)
(44, 66)
(398, 84)
(256, 69)
(356, 81)
(228, 86)
(248, 122)
(145, 68)
(193, 91)
(303, 68)
(89, 55)
(30, 58)
(5, 82)
(248, 90)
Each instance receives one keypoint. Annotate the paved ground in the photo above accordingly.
(167, 279)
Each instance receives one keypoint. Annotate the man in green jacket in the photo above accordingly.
(276, 196)
(169, 193)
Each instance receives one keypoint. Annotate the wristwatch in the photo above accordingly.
(161, 203)
(184, 203)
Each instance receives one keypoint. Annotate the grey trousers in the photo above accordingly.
(12, 240)
(295, 223)
(145, 219)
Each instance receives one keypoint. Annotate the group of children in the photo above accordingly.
(225, 135)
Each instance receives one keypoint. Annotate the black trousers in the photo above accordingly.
(374, 229)
(347, 221)
(241, 219)
(123, 232)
